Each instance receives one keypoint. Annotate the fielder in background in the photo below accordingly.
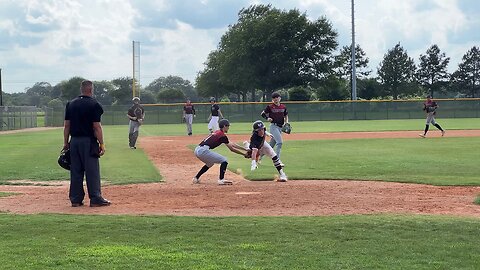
(215, 115)
(136, 114)
(188, 115)
(258, 147)
(430, 107)
(83, 135)
(204, 152)
(277, 115)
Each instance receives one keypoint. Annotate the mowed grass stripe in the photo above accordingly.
(337, 242)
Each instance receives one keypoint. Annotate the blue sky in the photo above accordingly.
(54, 40)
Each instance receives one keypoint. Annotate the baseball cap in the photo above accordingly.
(135, 98)
(275, 95)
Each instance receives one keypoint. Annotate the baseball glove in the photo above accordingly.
(287, 128)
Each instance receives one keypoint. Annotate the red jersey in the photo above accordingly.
(215, 139)
(188, 108)
(277, 113)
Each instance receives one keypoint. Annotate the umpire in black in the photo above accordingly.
(83, 134)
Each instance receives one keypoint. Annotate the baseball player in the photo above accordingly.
(204, 152)
(430, 107)
(188, 115)
(259, 147)
(215, 115)
(136, 114)
(277, 115)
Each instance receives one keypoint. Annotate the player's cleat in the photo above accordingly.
(195, 180)
(443, 133)
(254, 166)
(283, 178)
(422, 135)
(223, 182)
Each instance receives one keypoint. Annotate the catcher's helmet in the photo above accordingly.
(64, 159)
(223, 122)
(257, 125)
(212, 99)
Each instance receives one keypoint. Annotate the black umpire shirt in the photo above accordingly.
(82, 112)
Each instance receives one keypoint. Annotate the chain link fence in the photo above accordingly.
(17, 117)
(297, 111)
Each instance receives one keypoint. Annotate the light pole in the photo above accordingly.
(354, 72)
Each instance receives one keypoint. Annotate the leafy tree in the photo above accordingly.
(102, 90)
(168, 95)
(270, 49)
(299, 93)
(467, 76)
(396, 72)
(70, 88)
(432, 73)
(122, 91)
(55, 103)
(343, 63)
(332, 88)
(148, 98)
(369, 88)
(208, 81)
(173, 82)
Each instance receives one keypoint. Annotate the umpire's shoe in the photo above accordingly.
(100, 203)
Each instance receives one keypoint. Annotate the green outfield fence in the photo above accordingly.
(17, 117)
(297, 111)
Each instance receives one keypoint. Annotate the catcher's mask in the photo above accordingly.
(222, 123)
(64, 159)
(258, 125)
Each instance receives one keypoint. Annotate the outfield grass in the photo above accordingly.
(33, 156)
(440, 161)
(318, 126)
(338, 242)
(437, 161)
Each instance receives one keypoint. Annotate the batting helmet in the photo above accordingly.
(257, 125)
(212, 99)
(223, 122)
(64, 159)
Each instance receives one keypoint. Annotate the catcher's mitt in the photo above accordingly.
(287, 128)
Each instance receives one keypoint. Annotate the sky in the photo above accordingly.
(54, 40)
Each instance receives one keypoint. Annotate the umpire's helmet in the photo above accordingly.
(64, 159)
(223, 122)
(258, 125)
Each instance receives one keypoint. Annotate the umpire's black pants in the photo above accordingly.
(84, 164)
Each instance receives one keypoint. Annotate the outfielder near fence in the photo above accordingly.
(298, 111)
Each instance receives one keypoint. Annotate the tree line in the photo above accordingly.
(268, 50)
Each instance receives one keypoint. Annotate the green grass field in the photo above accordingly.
(333, 242)
(341, 242)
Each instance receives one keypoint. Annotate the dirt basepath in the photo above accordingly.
(178, 196)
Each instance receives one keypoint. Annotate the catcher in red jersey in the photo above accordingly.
(277, 114)
(258, 147)
(430, 107)
(204, 152)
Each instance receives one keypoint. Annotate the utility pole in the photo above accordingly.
(354, 72)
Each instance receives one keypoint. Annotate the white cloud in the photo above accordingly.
(53, 40)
